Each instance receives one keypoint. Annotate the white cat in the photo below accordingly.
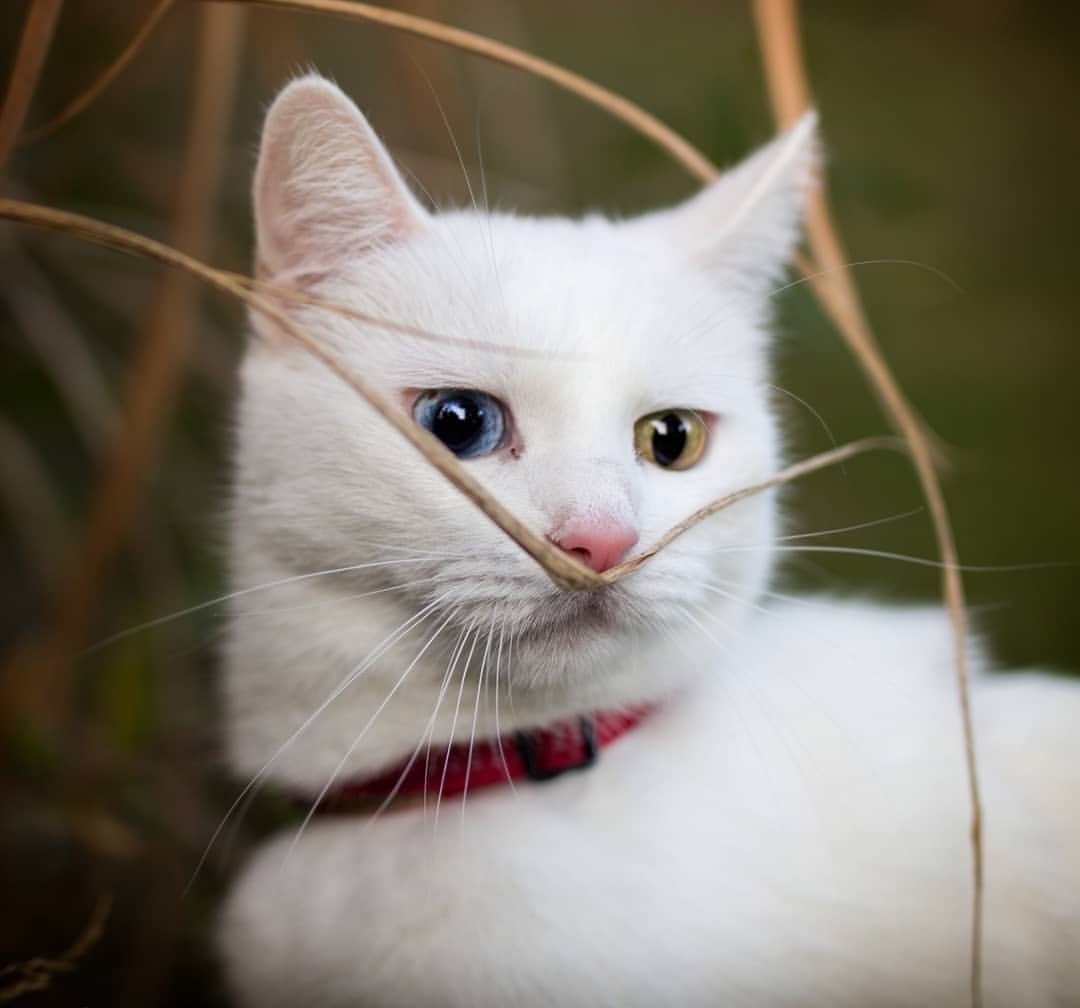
(777, 814)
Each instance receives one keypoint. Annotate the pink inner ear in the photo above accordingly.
(325, 189)
(598, 542)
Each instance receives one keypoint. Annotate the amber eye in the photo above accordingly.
(671, 439)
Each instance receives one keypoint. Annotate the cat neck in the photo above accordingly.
(375, 713)
(538, 755)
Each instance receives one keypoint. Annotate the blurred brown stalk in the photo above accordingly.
(38, 680)
(778, 35)
(30, 58)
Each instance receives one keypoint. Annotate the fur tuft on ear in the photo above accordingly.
(325, 187)
(746, 223)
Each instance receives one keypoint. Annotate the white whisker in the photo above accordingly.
(352, 597)
(451, 667)
(476, 715)
(220, 599)
(380, 649)
(363, 731)
(453, 731)
(498, 729)
(425, 735)
(870, 262)
(917, 560)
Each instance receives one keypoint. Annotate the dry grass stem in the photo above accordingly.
(778, 40)
(563, 570)
(793, 472)
(32, 975)
(294, 296)
(82, 101)
(46, 662)
(648, 125)
(29, 59)
(778, 34)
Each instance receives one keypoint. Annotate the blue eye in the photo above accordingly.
(469, 423)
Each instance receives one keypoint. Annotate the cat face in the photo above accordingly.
(602, 379)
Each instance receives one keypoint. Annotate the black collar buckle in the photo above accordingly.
(527, 748)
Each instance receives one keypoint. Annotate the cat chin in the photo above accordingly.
(560, 638)
(586, 665)
(571, 622)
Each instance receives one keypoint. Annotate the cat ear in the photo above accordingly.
(746, 223)
(325, 187)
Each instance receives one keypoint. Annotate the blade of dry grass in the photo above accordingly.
(29, 59)
(41, 670)
(648, 125)
(781, 53)
(792, 472)
(32, 975)
(294, 296)
(566, 572)
(789, 96)
(82, 101)
(778, 35)
(560, 565)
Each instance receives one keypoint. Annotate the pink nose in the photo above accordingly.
(598, 544)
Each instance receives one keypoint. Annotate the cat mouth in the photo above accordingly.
(586, 612)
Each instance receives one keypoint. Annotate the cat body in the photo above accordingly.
(788, 824)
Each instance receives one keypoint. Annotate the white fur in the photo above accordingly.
(789, 828)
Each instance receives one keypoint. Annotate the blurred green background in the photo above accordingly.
(951, 137)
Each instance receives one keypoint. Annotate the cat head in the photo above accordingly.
(603, 379)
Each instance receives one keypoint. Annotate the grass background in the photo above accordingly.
(951, 139)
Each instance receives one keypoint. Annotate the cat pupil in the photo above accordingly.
(457, 423)
(669, 438)
(468, 423)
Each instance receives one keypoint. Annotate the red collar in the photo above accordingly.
(539, 754)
